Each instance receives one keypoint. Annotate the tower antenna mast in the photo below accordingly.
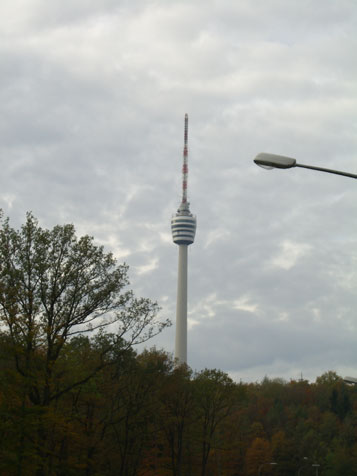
(185, 163)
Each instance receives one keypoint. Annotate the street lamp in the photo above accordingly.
(261, 466)
(317, 468)
(273, 161)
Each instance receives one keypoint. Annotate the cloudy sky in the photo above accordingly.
(93, 97)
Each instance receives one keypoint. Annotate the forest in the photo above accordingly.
(76, 398)
(142, 415)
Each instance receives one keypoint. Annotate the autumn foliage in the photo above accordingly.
(143, 416)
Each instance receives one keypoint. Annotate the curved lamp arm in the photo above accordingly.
(274, 161)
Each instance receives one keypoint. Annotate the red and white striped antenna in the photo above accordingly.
(185, 165)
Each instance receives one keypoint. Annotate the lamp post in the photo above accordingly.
(261, 466)
(317, 468)
(273, 161)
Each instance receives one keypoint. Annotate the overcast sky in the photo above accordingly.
(93, 98)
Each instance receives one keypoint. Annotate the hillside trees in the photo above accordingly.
(177, 415)
(142, 415)
(54, 286)
(216, 396)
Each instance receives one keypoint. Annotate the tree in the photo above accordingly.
(283, 453)
(328, 378)
(215, 397)
(340, 462)
(177, 415)
(258, 453)
(54, 286)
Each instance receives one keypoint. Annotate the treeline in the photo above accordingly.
(75, 398)
(142, 415)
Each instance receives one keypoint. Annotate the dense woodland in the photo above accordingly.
(141, 415)
(76, 399)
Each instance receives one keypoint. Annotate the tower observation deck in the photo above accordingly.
(183, 227)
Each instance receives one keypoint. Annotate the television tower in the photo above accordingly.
(183, 227)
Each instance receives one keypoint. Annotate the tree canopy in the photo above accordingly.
(55, 286)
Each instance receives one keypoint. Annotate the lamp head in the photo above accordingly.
(274, 161)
